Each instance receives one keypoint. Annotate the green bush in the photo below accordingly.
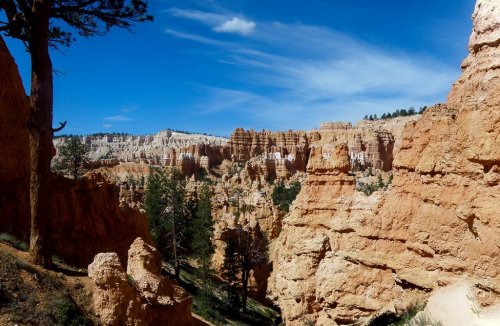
(10, 239)
(283, 196)
(67, 314)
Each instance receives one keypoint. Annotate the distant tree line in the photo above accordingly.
(97, 134)
(398, 113)
(102, 134)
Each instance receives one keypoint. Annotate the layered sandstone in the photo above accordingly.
(343, 257)
(140, 295)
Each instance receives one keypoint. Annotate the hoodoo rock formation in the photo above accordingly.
(281, 154)
(188, 152)
(346, 258)
(139, 296)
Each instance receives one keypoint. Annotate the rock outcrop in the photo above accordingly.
(89, 212)
(139, 296)
(343, 257)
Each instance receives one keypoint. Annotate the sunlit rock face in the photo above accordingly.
(343, 257)
(140, 295)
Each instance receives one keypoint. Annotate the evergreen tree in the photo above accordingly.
(236, 200)
(202, 231)
(72, 156)
(230, 270)
(366, 117)
(380, 181)
(375, 117)
(168, 214)
(283, 196)
(384, 116)
(371, 117)
(244, 251)
(153, 204)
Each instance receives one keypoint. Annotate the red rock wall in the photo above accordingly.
(14, 149)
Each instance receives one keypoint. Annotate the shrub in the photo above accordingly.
(67, 313)
(283, 196)
(13, 241)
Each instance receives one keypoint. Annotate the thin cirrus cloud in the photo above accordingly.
(118, 118)
(314, 71)
(107, 125)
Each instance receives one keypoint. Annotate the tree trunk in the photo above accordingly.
(176, 259)
(40, 127)
(245, 275)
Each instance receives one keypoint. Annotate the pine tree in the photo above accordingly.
(72, 156)
(202, 231)
(153, 204)
(244, 251)
(380, 182)
(168, 214)
(230, 270)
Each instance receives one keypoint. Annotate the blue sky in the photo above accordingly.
(211, 66)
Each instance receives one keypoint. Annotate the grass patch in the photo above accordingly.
(30, 295)
(67, 313)
(13, 241)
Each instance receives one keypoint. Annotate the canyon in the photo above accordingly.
(338, 256)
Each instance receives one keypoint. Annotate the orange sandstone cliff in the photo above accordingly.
(343, 257)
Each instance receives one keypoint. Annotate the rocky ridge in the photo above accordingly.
(346, 258)
(167, 148)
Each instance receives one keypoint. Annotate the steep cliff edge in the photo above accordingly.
(87, 216)
(345, 257)
(14, 144)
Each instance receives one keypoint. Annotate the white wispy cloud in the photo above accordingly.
(196, 38)
(220, 23)
(119, 117)
(129, 108)
(106, 125)
(317, 73)
(236, 25)
(207, 18)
